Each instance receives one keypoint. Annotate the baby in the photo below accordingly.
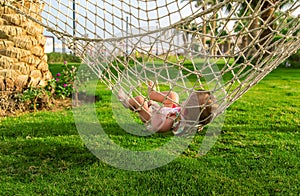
(199, 107)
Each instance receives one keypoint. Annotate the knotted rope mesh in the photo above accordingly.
(222, 46)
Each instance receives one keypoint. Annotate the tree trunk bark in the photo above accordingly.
(213, 34)
(267, 20)
(23, 62)
(204, 29)
(254, 25)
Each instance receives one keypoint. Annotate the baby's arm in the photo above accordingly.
(161, 122)
(167, 98)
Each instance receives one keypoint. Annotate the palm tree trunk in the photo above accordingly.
(23, 62)
(251, 36)
(204, 29)
(267, 19)
(213, 34)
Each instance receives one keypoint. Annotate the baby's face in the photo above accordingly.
(191, 108)
(198, 108)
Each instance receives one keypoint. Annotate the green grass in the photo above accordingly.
(258, 152)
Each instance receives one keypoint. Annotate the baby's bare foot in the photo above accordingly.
(151, 87)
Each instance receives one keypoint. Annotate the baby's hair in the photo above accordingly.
(206, 105)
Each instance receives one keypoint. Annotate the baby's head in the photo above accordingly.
(199, 107)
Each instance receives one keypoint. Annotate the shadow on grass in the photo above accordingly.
(265, 128)
(37, 129)
(43, 156)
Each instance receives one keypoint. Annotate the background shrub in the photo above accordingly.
(293, 61)
(55, 57)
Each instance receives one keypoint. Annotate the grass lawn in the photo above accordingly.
(258, 151)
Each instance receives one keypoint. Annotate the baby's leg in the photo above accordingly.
(140, 105)
(168, 98)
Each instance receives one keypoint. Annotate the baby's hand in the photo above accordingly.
(171, 114)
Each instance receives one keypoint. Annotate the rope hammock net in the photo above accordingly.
(222, 46)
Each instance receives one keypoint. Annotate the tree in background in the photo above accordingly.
(209, 25)
(266, 19)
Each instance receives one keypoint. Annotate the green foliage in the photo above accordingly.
(68, 79)
(131, 59)
(36, 98)
(176, 58)
(294, 59)
(62, 85)
(55, 57)
(292, 62)
(31, 99)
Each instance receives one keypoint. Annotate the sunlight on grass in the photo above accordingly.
(257, 152)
